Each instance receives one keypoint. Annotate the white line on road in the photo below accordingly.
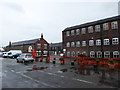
(38, 81)
(12, 71)
(83, 81)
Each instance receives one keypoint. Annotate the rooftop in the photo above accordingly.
(93, 23)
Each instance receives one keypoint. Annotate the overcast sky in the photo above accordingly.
(27, 19)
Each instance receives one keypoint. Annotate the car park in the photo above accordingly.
(25, 57)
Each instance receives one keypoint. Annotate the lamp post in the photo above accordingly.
(64, 50)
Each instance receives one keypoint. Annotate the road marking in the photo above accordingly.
(12, 71)
(83, 81)
(38, 81)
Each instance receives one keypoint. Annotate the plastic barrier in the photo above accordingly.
(86, 61)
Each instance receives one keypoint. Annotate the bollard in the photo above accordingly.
(54, 60)
(72, 63)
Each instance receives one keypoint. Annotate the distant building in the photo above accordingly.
(55, 48)
(39, 45)
(99, 39)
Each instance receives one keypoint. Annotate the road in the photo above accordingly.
(18, 75)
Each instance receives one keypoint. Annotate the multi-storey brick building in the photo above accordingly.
(94, 39)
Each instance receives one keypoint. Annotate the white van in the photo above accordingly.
(5, 54)
(13, 52)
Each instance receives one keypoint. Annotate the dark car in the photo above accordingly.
(16, 55)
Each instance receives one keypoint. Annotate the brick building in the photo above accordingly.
(99, 38)
(39, 45)
(55, 48)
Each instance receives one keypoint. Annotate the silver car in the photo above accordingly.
(25, 57)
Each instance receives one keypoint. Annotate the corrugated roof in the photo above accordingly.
(25, 42)
(94, 23)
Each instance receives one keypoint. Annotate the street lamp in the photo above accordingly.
(64, 50)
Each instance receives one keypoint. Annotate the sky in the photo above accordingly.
(27, 19)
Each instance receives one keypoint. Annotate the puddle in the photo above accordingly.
(64, 70)
(36, 68)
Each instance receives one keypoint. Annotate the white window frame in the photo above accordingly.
(99, 54)
(78, 44)
(68, 53)
(73, 53)
(116, 54)
(115, 41)
(83, 31)
(72, 44)
(98, 42)
(107, 54)
(106, 42)
(38, 46)
(92, 54)
(77, 52)
(90, 29)
(68, 44)
(91, 42)
(83, 43)
(77, 31)
(114, 25)
(67, 33)
(84, 53)
(97, 28)
(105, 26)
(45, 46)
(72, 32)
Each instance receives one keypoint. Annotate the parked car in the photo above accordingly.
(14, 52)
(15, 55)
(5, 54)
(25, 57)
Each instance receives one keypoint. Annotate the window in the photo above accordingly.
(72, 33)
(92, 54)
(115, 54)
(106, 42)
(98, 42)
(73, 54)
(83, 43)
(72, 44)
(30, 49)
(83, 30)
(78, 44)
(45, 46)
(99, 54)
(68, 44)
(105, 26)
(90, 29)
(77, 31)
(114, 25)
(115, 41)
(38, 46)
(68, 33)
(106, 54)
(84, 53)
(77, 52)
(91, 42)
(68, 54)
(97, 28)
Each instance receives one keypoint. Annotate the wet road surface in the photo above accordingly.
(18, 75)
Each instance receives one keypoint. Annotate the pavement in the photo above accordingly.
(48, 75)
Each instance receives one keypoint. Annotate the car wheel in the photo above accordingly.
(17, 61)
